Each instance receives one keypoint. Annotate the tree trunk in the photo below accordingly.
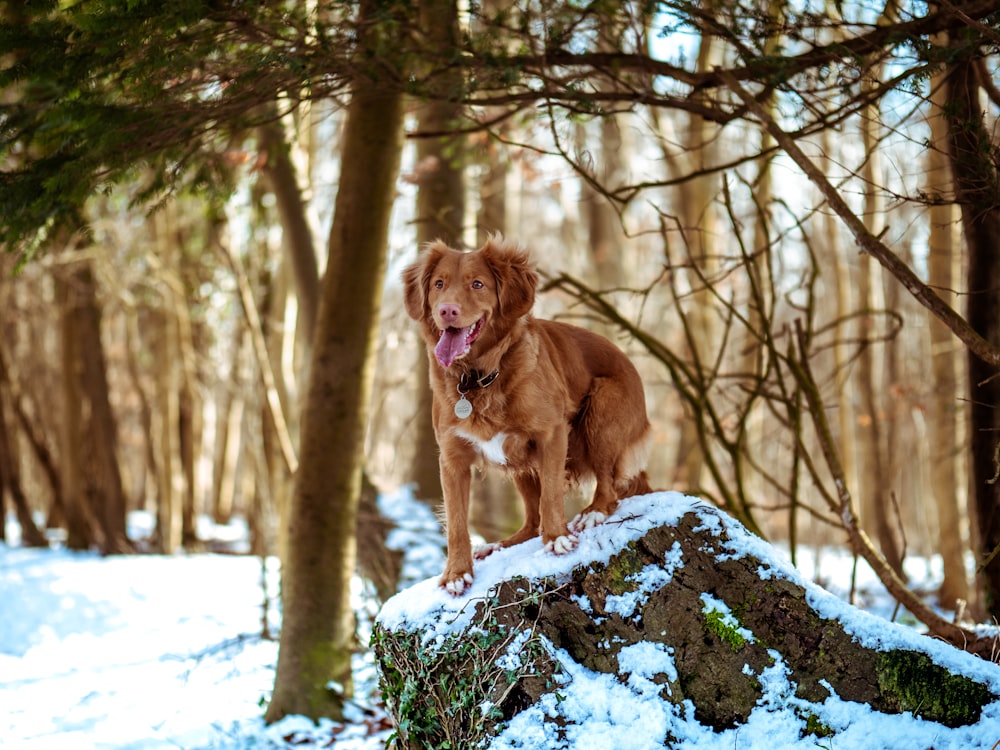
(943, 423)
(697, 596)
(39, 447)
(103, 475)
(317, 635)
(274, 483)
(700, 217)
(132, 345)
(10, 471)
(92, 479)
(81, 531)
(189, 418)
(297, 238)
(604, 224)
(166, 418)
(492, 214)
(440, 215)
(228, 438)
(10, 476)
(843, 354)
(976, 186)
(875, 485)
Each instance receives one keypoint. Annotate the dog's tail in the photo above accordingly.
(637, 485)
(631, 479)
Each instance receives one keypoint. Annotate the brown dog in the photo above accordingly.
(547, 401)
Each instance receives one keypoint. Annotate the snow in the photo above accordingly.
(148, 652)
(129, 651)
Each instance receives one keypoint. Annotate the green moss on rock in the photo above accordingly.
(619, 575)
(816, 727)
(721, 625)
(930, 691)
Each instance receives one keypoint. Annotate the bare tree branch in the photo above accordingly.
(844, 507)
(868, 242)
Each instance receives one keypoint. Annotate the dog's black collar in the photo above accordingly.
(470, 381)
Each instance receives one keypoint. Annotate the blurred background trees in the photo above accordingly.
(697, 181)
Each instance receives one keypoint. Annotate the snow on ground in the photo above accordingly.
(147, 652)
(166, 652)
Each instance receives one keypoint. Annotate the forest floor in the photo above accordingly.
(150, 651)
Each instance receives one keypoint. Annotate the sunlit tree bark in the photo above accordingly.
(944, 433)
(166, 416)
(875, 485)
(317, 635)
(94, 493)
(699, 212)
(843, 350)
(297, 240)
(440, 214)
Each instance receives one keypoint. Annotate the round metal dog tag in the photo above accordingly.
(463, 408)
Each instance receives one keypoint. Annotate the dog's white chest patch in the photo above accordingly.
(491, 450)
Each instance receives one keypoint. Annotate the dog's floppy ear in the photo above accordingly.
(514, 274)
(414, 294)
(416, 279)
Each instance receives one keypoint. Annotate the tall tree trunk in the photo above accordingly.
(228, 438)
(166, 416)
(943, 423)
(297, 239)
(274, 483)
(300, 258)
(39, 447)
(317, 635)
(977, 185)
(759, 312)
(163, 333)
(440, 215)
(132, 343)
(875, 484)
(604, 227)
(189, 418)
(496, 512)
(847, 431)
(700, 215)
(492, 214)
(81, 532)
(10, 471)
(90, 437)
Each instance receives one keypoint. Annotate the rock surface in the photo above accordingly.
(674, 600)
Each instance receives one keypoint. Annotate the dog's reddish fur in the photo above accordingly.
(566, 405)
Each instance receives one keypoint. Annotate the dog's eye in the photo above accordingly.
(477, 284)
(439, 284)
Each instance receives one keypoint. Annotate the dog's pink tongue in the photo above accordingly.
(451, 345)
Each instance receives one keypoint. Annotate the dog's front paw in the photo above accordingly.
(482, 551)
(456, 584)
(561, 545)
(587, 520)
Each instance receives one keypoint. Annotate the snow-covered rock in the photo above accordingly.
(669, 626)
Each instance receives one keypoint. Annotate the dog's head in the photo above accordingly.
(469, 301)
